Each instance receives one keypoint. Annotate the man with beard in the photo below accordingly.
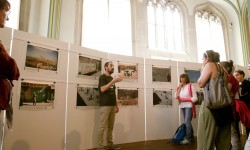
(108, 106)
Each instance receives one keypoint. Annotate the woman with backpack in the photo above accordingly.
(186, 94)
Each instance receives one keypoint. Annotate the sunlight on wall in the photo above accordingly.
(209, 35)
(107, 26)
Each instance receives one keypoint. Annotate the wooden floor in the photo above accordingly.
(164, 145)
(157, 145)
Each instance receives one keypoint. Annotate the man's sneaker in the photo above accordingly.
(113, 147)
(185, 141)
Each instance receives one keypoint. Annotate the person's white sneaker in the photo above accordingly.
(185, 141)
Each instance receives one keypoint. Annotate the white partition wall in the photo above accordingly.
(6, 37)
(85, 67)
(40, 125)
(56, 99)
(130, 121)
(193, 71)
(161, 119)
(26, 45)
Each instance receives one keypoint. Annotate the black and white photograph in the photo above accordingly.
(127, 97)
(41, 58)
(193, 75)
(89, 66)
(162, 97)
(87, 96)
(128, 71)
(161, 74)
(37, 95)
(200, 96)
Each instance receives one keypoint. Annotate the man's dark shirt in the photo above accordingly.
(107, 98)
(245, 92)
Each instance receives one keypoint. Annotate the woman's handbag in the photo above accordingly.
(216, 92)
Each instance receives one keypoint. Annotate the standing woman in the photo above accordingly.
(210, 134)
(233, 86)
(186, 95)
(8, 67)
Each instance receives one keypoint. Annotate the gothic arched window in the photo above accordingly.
(165, 26)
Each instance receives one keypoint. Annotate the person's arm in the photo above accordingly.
(205, 75)
(107, 86)
(194, 97)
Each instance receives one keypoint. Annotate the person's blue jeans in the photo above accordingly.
(187, 114)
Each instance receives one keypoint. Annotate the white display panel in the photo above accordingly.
(81, 58)
(6, 37)
(158, 124)
(131, 69)
(38, 129)
(130, 122)
(33, 57)
(156, 70)
(161, 121)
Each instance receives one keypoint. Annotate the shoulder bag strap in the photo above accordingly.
(190, 89)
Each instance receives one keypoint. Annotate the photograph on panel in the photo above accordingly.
(193, 75)
(41, 58)
(161, 74)
(87, 96)
(128, 71)
(162, 97)
(89, 67)
(37, 95)
(127, 97)
(200, 96)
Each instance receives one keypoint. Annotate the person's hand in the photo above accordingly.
(179, 88)
(117, 79)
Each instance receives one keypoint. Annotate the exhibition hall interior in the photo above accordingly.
(61, 46)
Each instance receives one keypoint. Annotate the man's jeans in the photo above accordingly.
(187, 114)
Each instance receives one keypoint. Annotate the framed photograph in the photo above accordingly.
(128, 71)
(200, 96)
(87, 96)
(161, 74)
(127, 97)
(89, 67)
(37, 95)
(162, 97)
(41, 58)
(193, 75)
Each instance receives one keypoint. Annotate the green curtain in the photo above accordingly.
(54, 19)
